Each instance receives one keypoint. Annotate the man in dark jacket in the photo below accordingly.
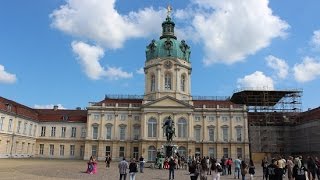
(272, 170)
(172, 166)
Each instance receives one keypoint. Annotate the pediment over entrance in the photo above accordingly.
(167, 101)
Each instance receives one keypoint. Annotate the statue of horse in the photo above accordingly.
(169, 129)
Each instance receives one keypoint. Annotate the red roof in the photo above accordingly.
(43, 115)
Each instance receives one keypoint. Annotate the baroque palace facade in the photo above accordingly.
(131, 126)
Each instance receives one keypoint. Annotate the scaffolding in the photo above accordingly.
(269, 113)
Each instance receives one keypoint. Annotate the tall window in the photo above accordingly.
(225, 134)
(73, 131)
(35, 130)
(182, 151)
(10, 125)
(153, 83)
(25, 128)
(197, 133)
(108, 150)
(182, 128)
(238, 132)
(183, 82)
(239, 152)
(95, 132)
(94, 150)
(43, 131)
(121, 151)
(108, 131)
(41, 149)
(152, 127)
(18, 127)
(61, 150)
(72, 149)
(51, 150)
(136, 132)
(211, 133)
(122, 133)
(211, 152)
(225, 152)
(53, 131)
(30, 129)
(136, 152)
(167, 81)
(63, 131)
(152, 153)
(81, 150)
(83, 132)
(1, 123)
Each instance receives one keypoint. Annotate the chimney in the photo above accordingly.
(78, 108)
(55, 107)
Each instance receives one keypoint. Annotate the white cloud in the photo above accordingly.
(278, 65)
(256, 81)
(116, 73)
(6, 77)
(100, 22)
(232, 30)
(140, 71)
(48, 106)
(315, 40)
(89, 57)
(308, 70)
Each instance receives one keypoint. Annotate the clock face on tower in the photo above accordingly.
(168, 64)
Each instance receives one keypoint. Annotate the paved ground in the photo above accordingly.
(44, 169)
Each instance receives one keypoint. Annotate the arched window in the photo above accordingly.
(167, 81)
(182, 151)
(182, 128)
(153, 83)
(152, 127)
(183, 83)
(152, 153)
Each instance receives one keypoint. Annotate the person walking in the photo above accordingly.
(172, 166)
(290, 167)
(141, 160)
(272, 170)
(264, 165)
(193, 170)
(216, 169)
(203, 169)
(123, 166)
(133, 169)
(108, 160)
(244, 169)
(229, 165)
(251, 169)
(299, 170)
(237, 165)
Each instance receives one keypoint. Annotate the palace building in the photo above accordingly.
(131, 126)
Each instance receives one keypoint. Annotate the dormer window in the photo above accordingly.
(65, 118)
(9, 107)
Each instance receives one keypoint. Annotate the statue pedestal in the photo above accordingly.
(170, 149)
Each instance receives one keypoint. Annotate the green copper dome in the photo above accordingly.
(168, 45)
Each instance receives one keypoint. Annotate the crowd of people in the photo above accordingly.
(207, 168)
(296, 168)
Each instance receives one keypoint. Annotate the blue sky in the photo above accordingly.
(74, 52)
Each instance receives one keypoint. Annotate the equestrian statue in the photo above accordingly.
(169, 129)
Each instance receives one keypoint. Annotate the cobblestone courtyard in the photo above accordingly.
(43, 169)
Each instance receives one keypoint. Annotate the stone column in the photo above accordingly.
(190, 126)
(115, 133)
(159, 130)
